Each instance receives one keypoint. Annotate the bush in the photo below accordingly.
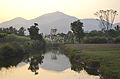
(34, 45)
(117, 39)
(2, 35)
(11, 49)
(95, 40)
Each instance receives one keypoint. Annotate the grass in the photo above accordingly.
(18, 37)
(13, 37)
(108, 55)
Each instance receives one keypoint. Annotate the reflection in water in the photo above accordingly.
(54, 54)
(34, 60)
(34, 64)
(23, 73)
(76, 66)
(8, 62)
(51, 63)
(58, 65)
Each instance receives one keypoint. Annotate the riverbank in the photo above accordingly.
(12, 45)
(103, 57)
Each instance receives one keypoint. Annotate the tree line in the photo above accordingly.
(12, 30)
(107, 34)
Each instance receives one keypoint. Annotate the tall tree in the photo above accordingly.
(106, 18)
(77, 29)
(34, 32)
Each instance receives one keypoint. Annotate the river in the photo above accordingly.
(49, 64)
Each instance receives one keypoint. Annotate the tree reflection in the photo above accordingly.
(34, 63)
(10, 61)
(34, 59)
(55, 52)
(75, 64)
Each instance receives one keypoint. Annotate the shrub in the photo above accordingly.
(34, 45)
(11, 49)
(117, 39)
(95, 39)
(2, 35)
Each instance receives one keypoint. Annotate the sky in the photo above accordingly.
(30, 9)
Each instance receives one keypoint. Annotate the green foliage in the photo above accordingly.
(77, 29)
(12, 30)
(95, 40)
(2, 35)
(13, 37)
(34, 45)
(117, 39)
(9, 30)
(94, 33)
(11, 49)
(70, 37)
(107, 56)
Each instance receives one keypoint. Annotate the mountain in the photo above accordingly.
(48, 21)
(14, 22)
(90, 24)
(116, 24)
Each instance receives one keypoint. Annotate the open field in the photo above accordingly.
(108, 55)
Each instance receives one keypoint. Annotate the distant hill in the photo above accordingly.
(56, 20)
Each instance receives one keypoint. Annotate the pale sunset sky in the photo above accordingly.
(29, 9)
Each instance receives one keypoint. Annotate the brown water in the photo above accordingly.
(54, 65)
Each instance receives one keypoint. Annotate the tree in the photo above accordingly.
(106, 18)
(12, 30)
(70, 36)
(53, 34)
(77, 29)
(21, 31)
(53, 31)
(117, 28)
(34, 32)
(94, 33)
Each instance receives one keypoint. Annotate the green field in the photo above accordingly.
(108, 55)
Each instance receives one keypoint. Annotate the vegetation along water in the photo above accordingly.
(73, 55)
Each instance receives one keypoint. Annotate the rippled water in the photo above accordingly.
(49, 65)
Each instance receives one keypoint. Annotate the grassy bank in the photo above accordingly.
(106, 55)
(5, 38)
(12, 45)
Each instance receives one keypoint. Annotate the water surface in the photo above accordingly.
(50, 64)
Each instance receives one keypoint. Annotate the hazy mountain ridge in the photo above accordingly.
(56, 20)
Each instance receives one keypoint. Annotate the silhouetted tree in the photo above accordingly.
(106, 18)
(117, 28)
(34, 32)
(21, 31)
(77, 29)
(12, 30)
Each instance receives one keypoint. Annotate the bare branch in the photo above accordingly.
(106, 18)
